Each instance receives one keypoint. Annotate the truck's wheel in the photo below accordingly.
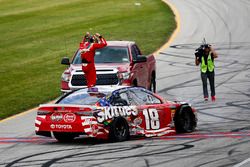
(64, 137)
(119, 130)
(152, 84)
(185, 121)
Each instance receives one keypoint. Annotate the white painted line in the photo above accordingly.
(242, 163)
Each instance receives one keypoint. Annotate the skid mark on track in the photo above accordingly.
(95, 153)
(103, 153)
(244, 134)
(208, 152)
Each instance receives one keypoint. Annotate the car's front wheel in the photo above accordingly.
(119, 130)
(64, 137)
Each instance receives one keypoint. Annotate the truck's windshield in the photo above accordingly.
(108, 54)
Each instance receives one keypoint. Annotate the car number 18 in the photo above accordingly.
(151, 118)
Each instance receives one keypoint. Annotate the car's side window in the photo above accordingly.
(134, 53)
(138, 96)
(141, 97)
(124, 96)
(153, 100)
(120, 99)
(137, 50)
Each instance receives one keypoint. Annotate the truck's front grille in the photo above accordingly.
(102, 79)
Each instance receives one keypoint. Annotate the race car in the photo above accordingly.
(113, 113)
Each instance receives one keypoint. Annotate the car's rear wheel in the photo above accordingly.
(185, 121)
(64, 137)
(119, 130)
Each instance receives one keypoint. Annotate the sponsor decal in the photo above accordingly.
(137, 131)
(60, 126)
(115, 111)
(86, 121)
(137, 121)
(94, 130)
(56, 117)
(69, 117)
(172, 118)
(52, 126)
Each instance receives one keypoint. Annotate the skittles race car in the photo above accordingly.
(113, 113)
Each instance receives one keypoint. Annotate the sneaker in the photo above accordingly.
(213, 98)
(205, 98)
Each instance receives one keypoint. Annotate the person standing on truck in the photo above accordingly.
(90, 44)
(205, 56)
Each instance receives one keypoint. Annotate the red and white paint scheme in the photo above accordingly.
(113, 113)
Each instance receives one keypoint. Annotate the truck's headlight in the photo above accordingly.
(124, 75)
(66, 76)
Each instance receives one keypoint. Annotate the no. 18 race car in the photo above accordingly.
(113, 113)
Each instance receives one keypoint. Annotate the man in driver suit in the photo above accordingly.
(87, 49)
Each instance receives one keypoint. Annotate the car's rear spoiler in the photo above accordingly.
(66, 105)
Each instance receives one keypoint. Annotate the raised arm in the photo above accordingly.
(197, 61)
(214, 53)
(102, 43)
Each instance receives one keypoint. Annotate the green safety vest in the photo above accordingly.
(209, 66)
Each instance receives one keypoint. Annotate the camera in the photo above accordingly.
(200, 51)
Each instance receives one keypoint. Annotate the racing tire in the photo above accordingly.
(185, 121)
(152, 86)
(64, 137)
(119, 130)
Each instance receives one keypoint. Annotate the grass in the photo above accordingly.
(35, 35)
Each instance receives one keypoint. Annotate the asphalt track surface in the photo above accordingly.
(223, 134)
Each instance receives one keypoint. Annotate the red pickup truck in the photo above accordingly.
(120, 63)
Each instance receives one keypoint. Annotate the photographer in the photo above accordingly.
(205, 56)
